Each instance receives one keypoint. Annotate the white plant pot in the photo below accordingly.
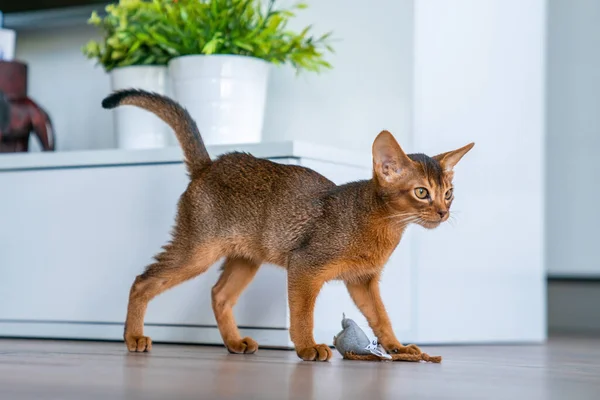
(225, 94)
(136, 128)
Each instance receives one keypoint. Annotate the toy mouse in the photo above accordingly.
(353, 344)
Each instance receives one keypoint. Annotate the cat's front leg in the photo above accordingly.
(303, 289)
(367, 297)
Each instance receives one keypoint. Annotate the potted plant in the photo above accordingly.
(222, 51)
(128, 52)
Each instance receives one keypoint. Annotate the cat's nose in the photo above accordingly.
(442, 213)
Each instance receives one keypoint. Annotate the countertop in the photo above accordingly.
(171, 155)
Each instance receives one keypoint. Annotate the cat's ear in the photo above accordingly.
(389, 160)
(449, 159)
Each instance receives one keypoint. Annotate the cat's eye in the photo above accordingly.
(448, 194)
(421, 193)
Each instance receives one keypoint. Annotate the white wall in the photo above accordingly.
(368, 90)
(479, 77)
(573, 137)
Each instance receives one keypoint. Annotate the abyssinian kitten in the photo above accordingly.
(252, 211)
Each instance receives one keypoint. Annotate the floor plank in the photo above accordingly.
(565, 368)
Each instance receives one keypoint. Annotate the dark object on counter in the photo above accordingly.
(24, 116)
(4, 112)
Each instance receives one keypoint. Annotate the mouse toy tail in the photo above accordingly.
(395, 357)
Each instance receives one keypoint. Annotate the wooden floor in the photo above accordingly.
(562, 369)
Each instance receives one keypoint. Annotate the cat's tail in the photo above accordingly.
(174, 115)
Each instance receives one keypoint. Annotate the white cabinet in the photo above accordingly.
(76, 228)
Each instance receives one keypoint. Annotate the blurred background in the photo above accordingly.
(519, 78)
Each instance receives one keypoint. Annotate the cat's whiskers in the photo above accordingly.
(425, 222)
(406, 221)
(402, 218)
(399, 215)
(454, 216)
(422, 219)
(452, 220)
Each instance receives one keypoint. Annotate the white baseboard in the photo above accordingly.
(267, 338)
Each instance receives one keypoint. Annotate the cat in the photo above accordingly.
(252, 211)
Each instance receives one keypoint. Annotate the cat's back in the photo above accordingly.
(256, 203)
(241, 186)
(253, 176)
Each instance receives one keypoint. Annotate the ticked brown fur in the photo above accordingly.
(252, 211)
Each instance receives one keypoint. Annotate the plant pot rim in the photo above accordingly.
(221, 56)
(137, 66)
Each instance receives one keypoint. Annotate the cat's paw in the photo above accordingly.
(138, 344)
(318, 352)
(397, 348)
(246, 345)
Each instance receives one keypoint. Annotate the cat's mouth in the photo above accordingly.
(429, 224)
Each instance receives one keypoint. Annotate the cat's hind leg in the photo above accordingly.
(237, 274)
(176, 264)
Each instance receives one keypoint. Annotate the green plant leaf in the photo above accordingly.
(148, 32)
(246, 46)
(211, 46)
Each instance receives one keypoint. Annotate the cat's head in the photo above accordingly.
(417, 188)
